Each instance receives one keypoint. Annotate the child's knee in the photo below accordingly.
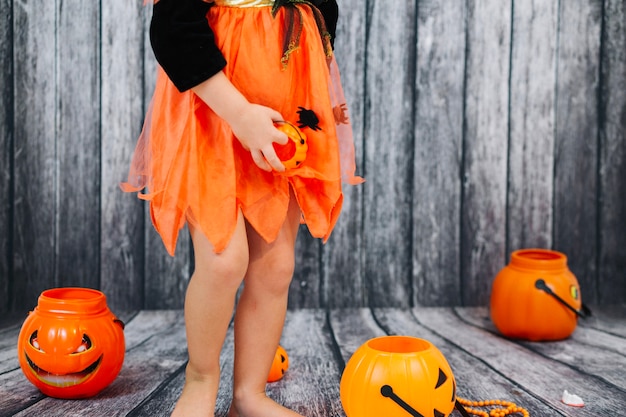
(276, 273)
(229, 268)
(283, 270)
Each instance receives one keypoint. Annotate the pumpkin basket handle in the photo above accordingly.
(584, 312)
(460, 408)
(119, 322)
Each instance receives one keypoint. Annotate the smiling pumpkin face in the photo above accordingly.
(62, 369)
(71, 355)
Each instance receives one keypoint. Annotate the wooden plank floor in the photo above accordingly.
(591, 364)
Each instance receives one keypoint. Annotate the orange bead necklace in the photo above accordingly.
(501, 408)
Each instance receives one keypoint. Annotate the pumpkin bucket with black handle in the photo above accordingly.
(536, 297)
(397, 376)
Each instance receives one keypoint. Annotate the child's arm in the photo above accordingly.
(184, 46)
(252, 124)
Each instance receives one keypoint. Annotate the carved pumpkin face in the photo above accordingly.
(279, 365)
(71, 345)
(397, 376)
(294, 152)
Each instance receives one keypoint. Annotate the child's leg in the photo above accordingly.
(260, 318)
(209, 306)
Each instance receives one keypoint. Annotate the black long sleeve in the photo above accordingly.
(330, 11)
(183, 42)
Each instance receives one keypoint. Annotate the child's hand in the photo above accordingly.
(254, 128)
(252, 124)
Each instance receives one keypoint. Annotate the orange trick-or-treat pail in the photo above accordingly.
(71, 345)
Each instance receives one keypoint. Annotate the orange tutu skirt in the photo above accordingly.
(194, 168)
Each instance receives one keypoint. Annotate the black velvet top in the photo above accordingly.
(184, 44)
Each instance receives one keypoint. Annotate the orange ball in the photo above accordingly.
(279, 365)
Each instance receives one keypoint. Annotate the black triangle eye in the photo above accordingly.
(442, 379)
(439, 414)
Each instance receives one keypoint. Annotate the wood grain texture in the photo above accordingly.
(319, 344)
(612, 203)
(6, 150)
(481, 127)
(388, 153)
(306, 286)
(540, 376)
(78, 148)
(35, 136)
(8, 341)
(438, 154)
(166, 277)
(352, 328)
(576, 153)
(609, 320)
(485, 147)
(532, 122)
(122, 250)
(590, 351)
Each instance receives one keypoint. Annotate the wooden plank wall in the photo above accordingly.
(481, 126)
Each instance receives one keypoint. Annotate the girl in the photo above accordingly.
(229, 71)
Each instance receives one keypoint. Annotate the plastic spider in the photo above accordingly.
(308, 118)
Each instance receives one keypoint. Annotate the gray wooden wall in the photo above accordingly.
(482, 126)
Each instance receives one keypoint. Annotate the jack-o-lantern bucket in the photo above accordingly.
(71, 345)
(293, 153)
(397, 376)
(536, 297)
(280, 364)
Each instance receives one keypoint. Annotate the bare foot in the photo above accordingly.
(197, 399)
(259, 405)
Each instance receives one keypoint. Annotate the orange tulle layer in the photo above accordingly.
(191, 168)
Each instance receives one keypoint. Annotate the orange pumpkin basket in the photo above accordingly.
(280, 364)
(391, 376)
(536, 297)
(292, 154)
(71, 345)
